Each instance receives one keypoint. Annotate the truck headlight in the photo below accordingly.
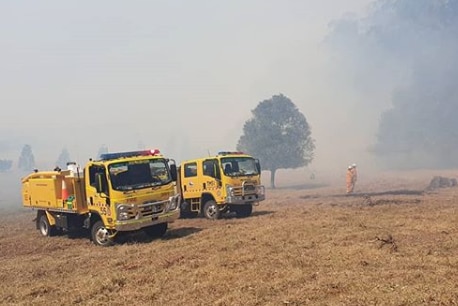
(123, 212)
(123, 216)
(229, 191)
(174, 202)
(260, 190)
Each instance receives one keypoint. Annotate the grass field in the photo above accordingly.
(308, 244)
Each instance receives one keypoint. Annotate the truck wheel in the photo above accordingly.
(244, 211)
(211, 210)
(156, 231)
(45, 228)
(100, 235)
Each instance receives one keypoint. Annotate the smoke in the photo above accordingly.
(402, 58)
(10, 193)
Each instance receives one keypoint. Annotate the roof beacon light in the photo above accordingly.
(230, 153)
(109, 156)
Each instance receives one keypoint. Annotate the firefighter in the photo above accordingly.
(349, 180)
(355, 175)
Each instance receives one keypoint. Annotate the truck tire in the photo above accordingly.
(157, 230)
(243, 211)
(100, 235)
(211, 210)
(45, 228)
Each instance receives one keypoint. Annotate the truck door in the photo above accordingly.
(212, 180)
(212, 175)
(190, 181)
(98, 196)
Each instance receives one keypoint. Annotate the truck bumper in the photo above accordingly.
(136, 224)
(247, 199)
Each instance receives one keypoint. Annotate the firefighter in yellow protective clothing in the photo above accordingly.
(349, 180)
(355, 175)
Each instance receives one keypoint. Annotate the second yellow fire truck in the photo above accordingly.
(229, 181)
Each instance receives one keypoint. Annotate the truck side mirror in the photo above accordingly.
(173, 172)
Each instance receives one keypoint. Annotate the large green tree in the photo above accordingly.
(26, 159)
(279, 135)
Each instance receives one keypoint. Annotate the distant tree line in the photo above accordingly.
(5, 164)
(26, 161)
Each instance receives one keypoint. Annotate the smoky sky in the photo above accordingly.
(402, 58)
(180, 76)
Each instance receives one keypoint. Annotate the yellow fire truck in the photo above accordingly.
(120, 192)
(229, 181)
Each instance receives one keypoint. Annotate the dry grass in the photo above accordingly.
(301, 247)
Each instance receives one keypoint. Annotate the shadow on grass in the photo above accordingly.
(233, 215)
(367, 200)
(311, 196)
(389, 192)
(181, 232)
(138, 236)
(262, 213)
(76, 234)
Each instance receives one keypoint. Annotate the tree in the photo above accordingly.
(63, 159)
(5, 165)
(26, 159)
(279, 135)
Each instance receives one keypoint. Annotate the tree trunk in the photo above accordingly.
(272, 178)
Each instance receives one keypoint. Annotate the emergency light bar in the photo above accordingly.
(230, 153)
(109, 156)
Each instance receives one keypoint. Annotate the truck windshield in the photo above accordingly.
(239, 166)
(139, 174)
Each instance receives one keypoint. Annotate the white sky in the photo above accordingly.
(181, 76)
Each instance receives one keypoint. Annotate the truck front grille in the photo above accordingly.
(140, 211)
(246, 189)
(149, 209)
